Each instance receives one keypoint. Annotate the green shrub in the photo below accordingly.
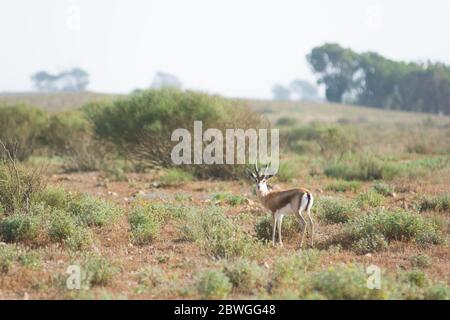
(421, 261)
(383, 189)
(343, 283)
(369, 199)
(437, 291)
(54, 197)
(217, 235)
(7, 258)
(245, 275)
(343, 186)
(20, 186)
(370, 243)
(439, 203)
(290, 270)
(30, 258)
(62, 226)
(333, 141)
(366, 232)
(286, 121)
(21, 129)
(19, 227)
(230, 199)
(71, 135)
(173, 177)
(98, 270)
(365, 169)
(140, 125)
(213, 285)
(80, 239)
(287, 171)
(264, 227)
(92, 211)
(335, 210)
(145, 226)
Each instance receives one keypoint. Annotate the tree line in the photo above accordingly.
(372, 80)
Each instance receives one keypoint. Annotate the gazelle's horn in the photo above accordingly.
(256, 170)
(265, 169)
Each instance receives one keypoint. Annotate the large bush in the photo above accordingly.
(141, 125)
(71, 134)
(21, 129)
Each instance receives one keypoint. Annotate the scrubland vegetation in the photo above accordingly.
(95, 187)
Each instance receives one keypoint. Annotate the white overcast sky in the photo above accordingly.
(235, 48)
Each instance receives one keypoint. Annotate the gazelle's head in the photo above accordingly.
(261, 180)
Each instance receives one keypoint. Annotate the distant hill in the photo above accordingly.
(302, 112)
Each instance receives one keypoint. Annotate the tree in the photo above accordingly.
(372, 80)
(74, 80)
(304, 90)
(166, 80)
(280, 92)
(336, 67)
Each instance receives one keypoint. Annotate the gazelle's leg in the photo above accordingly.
(280, 221)
(308, 213)
(302, 219)
(274, 220)
(303, 205)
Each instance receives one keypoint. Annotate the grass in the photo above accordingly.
(335, 210)
(439, 203)
(98, 270)
(145, 226)
(230, 199)
(369, 199)
(343, 186)
(174, 177)
(264, 226)
(212, 284)
(217, 235)
(92, 211)
(373, 231)
(245, 275)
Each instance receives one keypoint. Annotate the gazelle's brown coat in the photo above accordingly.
(294, 201)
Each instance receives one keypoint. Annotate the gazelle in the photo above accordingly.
(293, 201)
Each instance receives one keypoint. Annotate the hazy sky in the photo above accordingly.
(236, 48)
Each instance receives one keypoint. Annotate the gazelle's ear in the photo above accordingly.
(250, 174)
(268, 176)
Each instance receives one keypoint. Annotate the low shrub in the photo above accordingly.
(335, 210)
(21, 129)
(383, 189)
(369, 199)
(98, 270)
(290, 270)
(217, 235)
(343, 186)
(343, 282)
(8, 255)
(93, 211)
(70, 134)
(213, 285)
(245, 275)
(145, 226)
(371, 232)
(174, 177)
(264, 227)
(20, 227)
(438, 203)
(20, 186)
(421, 261)
(230, 199)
